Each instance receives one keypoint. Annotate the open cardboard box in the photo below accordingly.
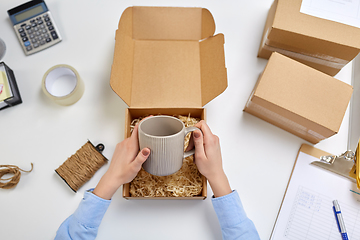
(299, 99)
(319, 43)
(168, 61)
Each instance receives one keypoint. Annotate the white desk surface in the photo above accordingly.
(257, 156)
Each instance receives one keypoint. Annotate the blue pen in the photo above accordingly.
(340, 220)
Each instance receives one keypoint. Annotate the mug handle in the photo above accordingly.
(192, 151)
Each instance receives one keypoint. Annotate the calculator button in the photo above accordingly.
(36, 29)
(25, 39)
(23, 25)
(31, 36)
(28, 48)
(54, 35)
(45, 15)
(27, 43)
(27, 27)
(32, 21)
(36, 45)
(23, 34)
(46, 35)
(38, 18)
(47, 19)
(48, 40)
(37, 33)
(40, 22)
(34, 25)
(48, 24)
(43, 31)
(34, 40)
(40, 38)
(21, 30)
(30, 31)
(42, 26)
(51, 28)
(42, 42)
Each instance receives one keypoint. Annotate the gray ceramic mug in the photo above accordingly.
(164, 135)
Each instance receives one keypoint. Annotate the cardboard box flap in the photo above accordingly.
(304, 91)
(166, 74)
(122, 67)
(170, 23)
(207, 24)
(150, 71)
(289, 19)
(213, 70)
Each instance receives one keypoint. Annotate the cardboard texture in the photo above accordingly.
(322, 44)
(167, 60)
(299, 99)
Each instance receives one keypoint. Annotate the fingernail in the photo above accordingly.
(197, 134)
(145, 152)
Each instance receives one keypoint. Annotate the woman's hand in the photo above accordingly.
(208, 159)
(124, 166)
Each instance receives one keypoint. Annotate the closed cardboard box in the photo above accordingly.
(299, 99)
(167, 61)
(322, 44)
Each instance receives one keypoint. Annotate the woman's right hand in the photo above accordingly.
(208, 158)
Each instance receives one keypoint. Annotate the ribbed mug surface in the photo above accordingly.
(164, 136)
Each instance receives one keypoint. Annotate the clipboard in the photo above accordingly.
(306, 208)
(346, 164)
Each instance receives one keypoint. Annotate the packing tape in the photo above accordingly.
(277, 118)
(321, 59)
(309, 58)
(63, 85)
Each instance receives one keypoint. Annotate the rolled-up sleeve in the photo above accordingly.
(232, 218)
(85, 221)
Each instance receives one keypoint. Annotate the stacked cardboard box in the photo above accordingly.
(299, 99)
(301, 96)
(322, 44)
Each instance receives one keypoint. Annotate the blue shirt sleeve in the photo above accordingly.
(85, 221)
(232, 218)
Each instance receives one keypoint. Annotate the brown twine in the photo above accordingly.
(11, 182)
(80, 167)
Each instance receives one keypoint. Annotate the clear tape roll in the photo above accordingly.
(63, 85)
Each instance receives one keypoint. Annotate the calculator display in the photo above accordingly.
(29, 13)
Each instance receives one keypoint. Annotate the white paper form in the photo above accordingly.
(307, 213)
(342, 11)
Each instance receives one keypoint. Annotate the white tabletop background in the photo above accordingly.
(257, 156)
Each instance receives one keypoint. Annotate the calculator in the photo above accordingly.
(34, 26)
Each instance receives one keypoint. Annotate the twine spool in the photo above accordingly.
(11, 182)
(80, 167)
